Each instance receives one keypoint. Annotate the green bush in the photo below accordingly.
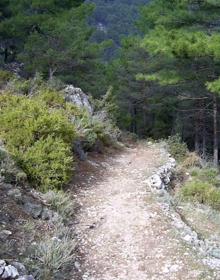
(51, 98)
(209, 175)
(52, 255)
(201, 192)
(61, 202)
(5, 76)
(39, 137)
(177, 148)
(48, 162)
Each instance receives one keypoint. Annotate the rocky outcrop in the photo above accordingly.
(78, 97)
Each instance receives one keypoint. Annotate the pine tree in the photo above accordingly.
(185, 35)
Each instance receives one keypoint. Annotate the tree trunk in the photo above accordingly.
(215, 146)
(6, 55)
(197, 146)
(204, 142)
(51, 73)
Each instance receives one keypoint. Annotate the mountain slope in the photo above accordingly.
(115, 18)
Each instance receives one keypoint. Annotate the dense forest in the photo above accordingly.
(114, 20)
(164, 78)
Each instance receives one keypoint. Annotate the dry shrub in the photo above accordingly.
(192, 160)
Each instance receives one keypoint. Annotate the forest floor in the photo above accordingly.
(120, 226)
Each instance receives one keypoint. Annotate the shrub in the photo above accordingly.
(39, 137)
(192, 160)
(18, 86)
(52, 255)
(51, 98)
(177, 148)
(61, 202)
(209, 175)
(5, 76)
(202, 192)
(48, 162)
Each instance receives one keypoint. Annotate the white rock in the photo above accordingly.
(2, 266)
(78, 97)
(155, 182)
(10, 272)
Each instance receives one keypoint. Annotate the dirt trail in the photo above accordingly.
(122, 231)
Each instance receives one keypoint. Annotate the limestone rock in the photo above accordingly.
(2, 266)
(34, 209)
(78, 97)
(46, 214)
(20, 268)
(215, 253)
(15, 194)
(26, 277)
(4, 234)
(162, 177)
(10, 272)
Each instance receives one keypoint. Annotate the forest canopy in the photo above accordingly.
(164, 75)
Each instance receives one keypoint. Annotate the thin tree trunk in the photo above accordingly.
(204, 142)
(215, 146)
(197, 146)
(51, 73)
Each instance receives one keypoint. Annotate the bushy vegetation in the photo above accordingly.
(209, 175)
(39, 129)
(52, 255)
(201, 192)
(61, 202)
(177, 148)
(39, 137)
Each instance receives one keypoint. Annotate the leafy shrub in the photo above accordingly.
(51, 98)
(18, 86)
(48, 162)
(5, 76)
(39, 137)
(202, 192)
(61, 202)
(177, 148)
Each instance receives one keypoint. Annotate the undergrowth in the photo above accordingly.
(39, 129)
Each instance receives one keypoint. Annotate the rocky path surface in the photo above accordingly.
(122, 231)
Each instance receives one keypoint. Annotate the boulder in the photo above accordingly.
(34, 209)
(4, 234)
(2, 266)
(78, 98)
(26, 277)
(15, 194)
(20, 268)
(10, 272)
(47, 214)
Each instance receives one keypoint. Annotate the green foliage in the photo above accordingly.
(115, 19)
(5, 76)
(48, 162)
(201, 192)
(209, 175)
(177, 148)
(52, 255)
(61, 202)
(39, 137)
